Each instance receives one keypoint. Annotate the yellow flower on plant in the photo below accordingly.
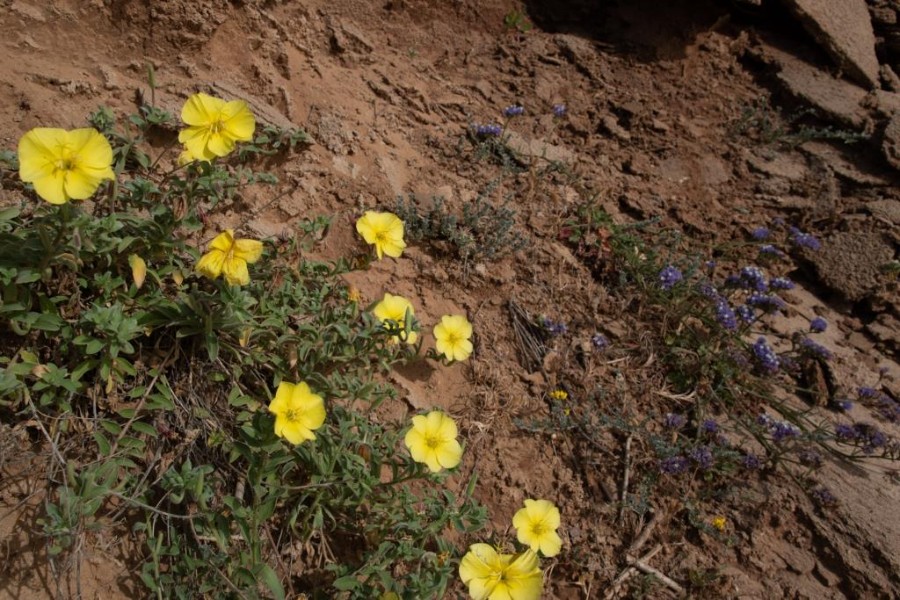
(494, 576)
(65, 165)
(392, 310)
(432, 441)
(230, 257)
(138, 269)
(298, 412)
(214, 126)
(383, 230)
(536, 526)
(559, 395)
(719, 522)
(186, 157)
(452, 337)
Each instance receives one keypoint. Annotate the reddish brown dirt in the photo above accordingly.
(387, 89)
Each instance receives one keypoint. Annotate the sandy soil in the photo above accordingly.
(388, 90)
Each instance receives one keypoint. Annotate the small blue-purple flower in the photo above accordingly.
(554, 328)
(781, 283)
(745, 313)
(823, 497)
(600, 342)
(845, 405)
(673, 465)
(769, 303)
(703, 456)
(868, 393)
(814, 349)
(818, 325)
(804, 240)
(669, 276)
(706, 288)
(559, 110)
(489, 130)
(770, 250)
(751, 462)
(514, 110)
(752, 278)
(760, 233)
(709, 426)
(782, 430)
(674, 421)
(725, 315)
(765, 355)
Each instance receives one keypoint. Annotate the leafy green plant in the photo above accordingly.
(155, 383)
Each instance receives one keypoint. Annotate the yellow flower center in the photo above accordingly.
(292, 415)
(432, 441)
(538, 529)
(453, 339)
(216, 127)
(66, 163)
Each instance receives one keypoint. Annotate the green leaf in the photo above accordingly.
(102, 443)
(346, 583)
(271, 580)
(7, 214)
(145, 428)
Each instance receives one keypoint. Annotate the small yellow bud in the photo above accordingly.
(177, 277)
(138, 270)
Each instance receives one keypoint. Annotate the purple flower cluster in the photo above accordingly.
(810, 458)
(706, 288)
(486, 131)
(770, 250)
(669, 276)
(823, 496)
(559, 110)
(781, 283)
(673, 465)
(769, 303)
(779, 430)
(751, 462)
(765, 356)
(514, 110)
(600, 342)
(674, 421)
(554, 328)
(725, 315)
(818, 325)
(703, 457)
(709, 426)
(814, 349)
(868, 437)
(760, 233)
(804, 240)
(868, 393)
(745, 314)
(750, 278)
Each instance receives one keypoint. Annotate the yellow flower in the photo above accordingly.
(451, 337)
(186, 157)
(231, 257)
(298, 412)
(392, 309)
(432, 440)
(65, 165)
(214, 125)
(494, 576)
(559, 395)
(383, 230)
(536, 526)
(719, 522)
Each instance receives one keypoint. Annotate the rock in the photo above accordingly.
(611, 125)
(839, 99)
(886, 210)
(786, 166)
(845, 164)
(844, 29)
(889, 78)
(890, 145)
(886, 329)
(539, 149)
(850, 263)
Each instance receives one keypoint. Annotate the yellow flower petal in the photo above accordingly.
(283, 395)
(220, 144)
(223, 242)
(235, 271)
(200, 109)
(211, 264)
(238, 120)
(52, 188)
(138, 269)
(449, 454)
(248, 250)
(79, 185)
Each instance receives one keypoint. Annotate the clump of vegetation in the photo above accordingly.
(764, 123)
(485, 231)
(218, 395)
